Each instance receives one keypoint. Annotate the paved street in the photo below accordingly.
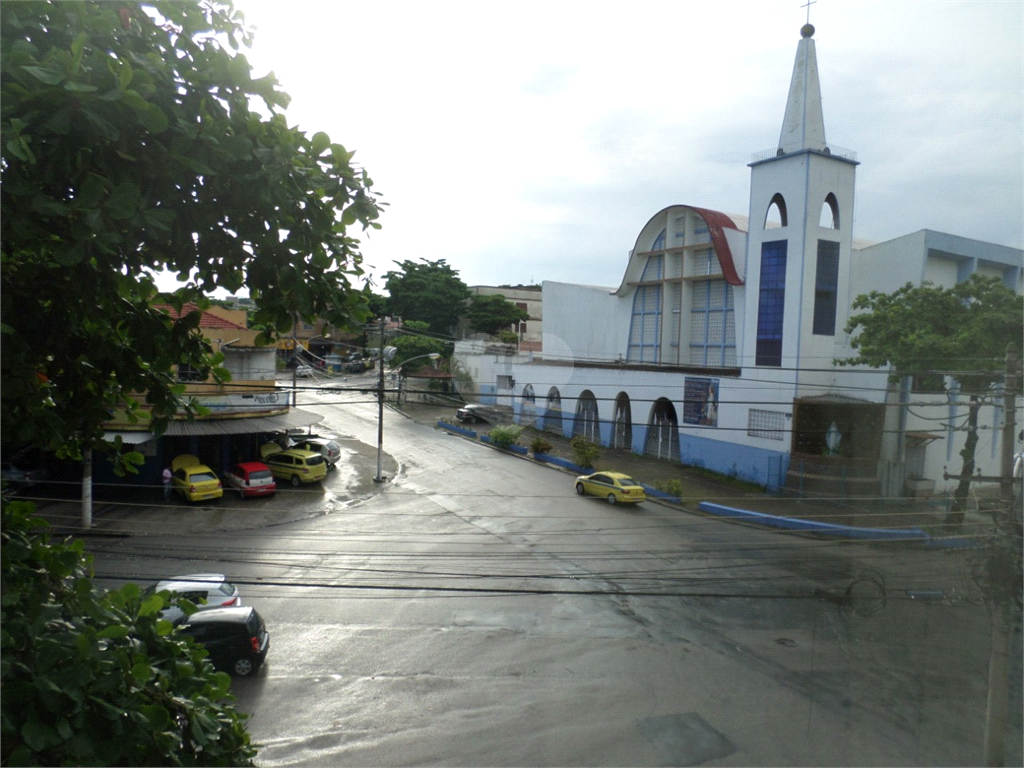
(474, 611)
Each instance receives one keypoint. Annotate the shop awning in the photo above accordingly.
(294, 419)
(130, 438)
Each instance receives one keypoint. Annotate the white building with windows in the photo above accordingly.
(717, 347)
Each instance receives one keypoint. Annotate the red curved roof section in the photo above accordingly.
(717, 224)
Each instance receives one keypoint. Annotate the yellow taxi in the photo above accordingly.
(617, 487)
(193, 480)
(294, 465)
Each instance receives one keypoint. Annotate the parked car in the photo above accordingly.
(475, 412)
(15, 477)
(251, 478)
(614, 486)
(236, 638)
(294, 465)
(355, 366)
(204, 590)
(193, 480)
(303, 371)
(321, 444)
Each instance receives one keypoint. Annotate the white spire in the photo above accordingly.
(803, 126)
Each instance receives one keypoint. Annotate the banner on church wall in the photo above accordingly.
(700, 401)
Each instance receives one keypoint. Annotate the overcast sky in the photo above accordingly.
(532, 141)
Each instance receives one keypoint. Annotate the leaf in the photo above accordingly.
(113, 632)
(47, 76)
(151, 606)
(154, 119)
(320, 142)
(122, 201)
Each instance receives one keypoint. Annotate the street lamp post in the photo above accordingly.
(432, 355)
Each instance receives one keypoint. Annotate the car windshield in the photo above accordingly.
(314, 460)
(627, 481)
(260, 474)
(202, 477)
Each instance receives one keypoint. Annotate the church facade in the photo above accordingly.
(718, 347)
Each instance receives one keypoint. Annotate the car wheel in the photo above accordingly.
(295, 481)
(579, 488)
(611, 498)
(244, 667)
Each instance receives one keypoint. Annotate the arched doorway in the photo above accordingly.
(528, 406)
(622, 428)
(553, 412)
(663, 431)
(587, 422)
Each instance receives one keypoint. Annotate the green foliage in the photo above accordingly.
(927, 330)
(412, 343)
(920, 330)
(129, 148)
(540, 445)
(491, 314)
(672, 487)
(505, 435)
(430, 292)
(585, 452)
(508, 337)
(92, 678)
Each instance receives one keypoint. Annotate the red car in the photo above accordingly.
(252, 478)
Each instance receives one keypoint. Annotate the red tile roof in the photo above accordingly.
(208, 320)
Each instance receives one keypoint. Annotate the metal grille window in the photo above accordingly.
(712, 324)
(770, 425)
(645, 326)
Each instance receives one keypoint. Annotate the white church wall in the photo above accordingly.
(592, 322)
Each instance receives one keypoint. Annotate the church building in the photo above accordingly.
(717, 348)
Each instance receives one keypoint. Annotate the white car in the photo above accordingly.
(206, 590)
(322, 444)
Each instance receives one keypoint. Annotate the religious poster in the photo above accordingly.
(700, 401)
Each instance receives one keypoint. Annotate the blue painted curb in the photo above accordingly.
(654, 492)
(559, 462)
(814, 526)
(459, 430)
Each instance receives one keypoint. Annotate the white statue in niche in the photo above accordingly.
(832, 439)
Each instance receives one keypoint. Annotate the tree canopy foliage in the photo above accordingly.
(132, 145)
(430, 291)
(97, 678)
(414, 343)
(490, 314)
(930, 331)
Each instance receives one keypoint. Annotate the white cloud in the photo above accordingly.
(533, 141)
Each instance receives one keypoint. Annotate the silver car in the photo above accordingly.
(205, 590)
(321, 444)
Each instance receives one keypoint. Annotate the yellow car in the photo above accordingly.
(614, 486)
(294, 465)
(194, 481)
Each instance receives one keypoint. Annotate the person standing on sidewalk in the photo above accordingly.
(167, 483)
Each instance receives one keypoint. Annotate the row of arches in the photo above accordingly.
(660, 439)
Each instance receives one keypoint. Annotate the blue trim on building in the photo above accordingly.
(754, 465)
(814, 526)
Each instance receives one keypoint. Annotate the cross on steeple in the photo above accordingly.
(808, 5)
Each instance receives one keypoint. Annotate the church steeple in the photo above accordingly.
(803, 126)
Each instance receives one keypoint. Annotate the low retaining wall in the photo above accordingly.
(814, 526)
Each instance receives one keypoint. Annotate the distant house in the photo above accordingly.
(238, 415)
(528, 298)
(716, 346)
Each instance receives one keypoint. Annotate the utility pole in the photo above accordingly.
(1002, 577)
(380, 406)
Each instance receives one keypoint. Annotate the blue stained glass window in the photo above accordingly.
(826, 284)
(771, 304)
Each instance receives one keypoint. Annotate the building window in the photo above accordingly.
(659, 242)
(712, 324)
(506, 382)
(770, 425)
(645, 325)
(826, 283)
(187, 372)
(771, 304)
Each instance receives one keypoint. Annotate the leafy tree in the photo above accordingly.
(93, 678)
(130, 147)
(415, 343)
(490, 314)
(960, 331)
(430, 292)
